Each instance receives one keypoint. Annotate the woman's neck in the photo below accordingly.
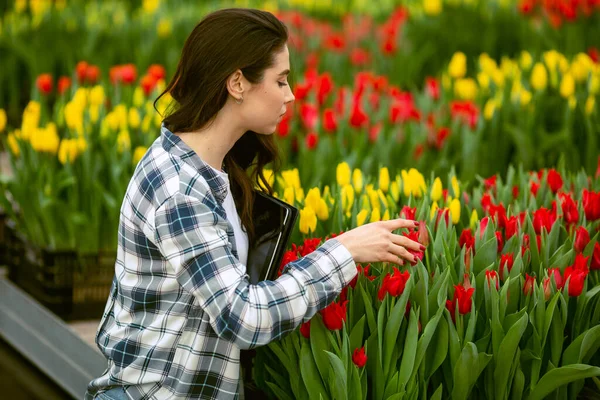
(214, 142)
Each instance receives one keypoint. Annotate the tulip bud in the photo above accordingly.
(359, 358)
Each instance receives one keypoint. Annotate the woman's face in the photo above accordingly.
(266, 102)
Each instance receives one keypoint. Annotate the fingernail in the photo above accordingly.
(416, 223)
(422, 248)
(413, 263)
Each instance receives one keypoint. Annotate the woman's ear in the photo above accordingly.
(235, 85)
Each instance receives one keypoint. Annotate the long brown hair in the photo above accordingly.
(223, 42)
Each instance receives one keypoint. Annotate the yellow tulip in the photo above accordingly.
(465, 89)
(474, 219)
(13, 144)
(572, 102)
(458, 65)
(413, 183)
(2, 120)
(567, 86)
(308, 220)
(361, 217)
(138, 154)
(97, 95)
(357, 180)
(594, 84)
(455, 186)
(589, 105)
(150, 6)
(455, 211)
(45, 139)
(498, 77)
(164, 28)
(123, 141)
(489, 109)
(20, 6)
(483, 80)
(436, 189)
(322, 210)
(94, 113)
(288, 195)
(312, 198)
(70, 149)
(134, 119)
(525, 97)
(526, 60)
(539, 77)
(270, 178)
(384, 179)
(581, 66)
(386, 215)
(138, 97)
(146, 123)
(347, 198)
(487, 64)
(432, 7)
(343, 173)
(434, 208)
(373, 198)
(375, 215)
(395, 191)
(291, 178)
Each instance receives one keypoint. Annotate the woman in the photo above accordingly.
(181, 306)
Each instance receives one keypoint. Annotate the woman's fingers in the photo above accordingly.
(408, 243)
(399, 223)
(401, 252)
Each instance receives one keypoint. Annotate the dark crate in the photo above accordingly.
(70, 285)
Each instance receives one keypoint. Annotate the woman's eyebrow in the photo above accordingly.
(284, 72)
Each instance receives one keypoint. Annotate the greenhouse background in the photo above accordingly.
(479, 119)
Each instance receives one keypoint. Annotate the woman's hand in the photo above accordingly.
(375, 242)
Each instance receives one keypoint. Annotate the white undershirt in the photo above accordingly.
(241, 237)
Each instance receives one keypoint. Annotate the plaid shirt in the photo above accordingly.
(181, 307)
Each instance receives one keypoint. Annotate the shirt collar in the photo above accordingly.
(174, 145)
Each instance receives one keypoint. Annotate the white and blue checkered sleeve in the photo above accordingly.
(193, 239)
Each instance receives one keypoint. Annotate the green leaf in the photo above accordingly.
(518, 385)
(356, 337)
(583, 348)
(466, 371)
(391, 387)
(338, 380)
(278, 392)
(310, 374)
(558, 377)
(280, 380)
(319, 343)
(436, 354)
(485, 256)
(506, 356)
(437, 395)
(410, 350)
(369, 311)
(392, 328)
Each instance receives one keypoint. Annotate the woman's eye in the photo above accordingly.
(282, 84)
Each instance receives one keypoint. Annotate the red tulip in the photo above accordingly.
(374, 131)
(359, 358)
(157, 71)
(358, 118)
(311, 140)
(554, 180)
(594, 54)
(466, 239)
(408, 213)
(506, 260)
(325, 86)
(462, 297)
(283, 129)
(515, 191)
(92, 74)
(423, 234)
(490, 183)
(305, 329)
(359, 57)
(582, 238)
(595, 263)
(81, 71)
(335, 42)
(441, 136)
(547, 289)
(598, 169)
(526, 6)
(576, 279)
(543, 219)
(148, 83)
(403, 108)
(486, 201)
(500, 241)
(301, 91)
(393, 284)
(309, 115)
(64, 83)
(433, 87)
(534, 187)
(591, 205)
(512, 227)
(44, 84)
(334, 315)
(498, 214)
(492, 276)
(528, 286)
(558, 279)
(465, 111)
(128, 73)
(329, 121)
(569, 209)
